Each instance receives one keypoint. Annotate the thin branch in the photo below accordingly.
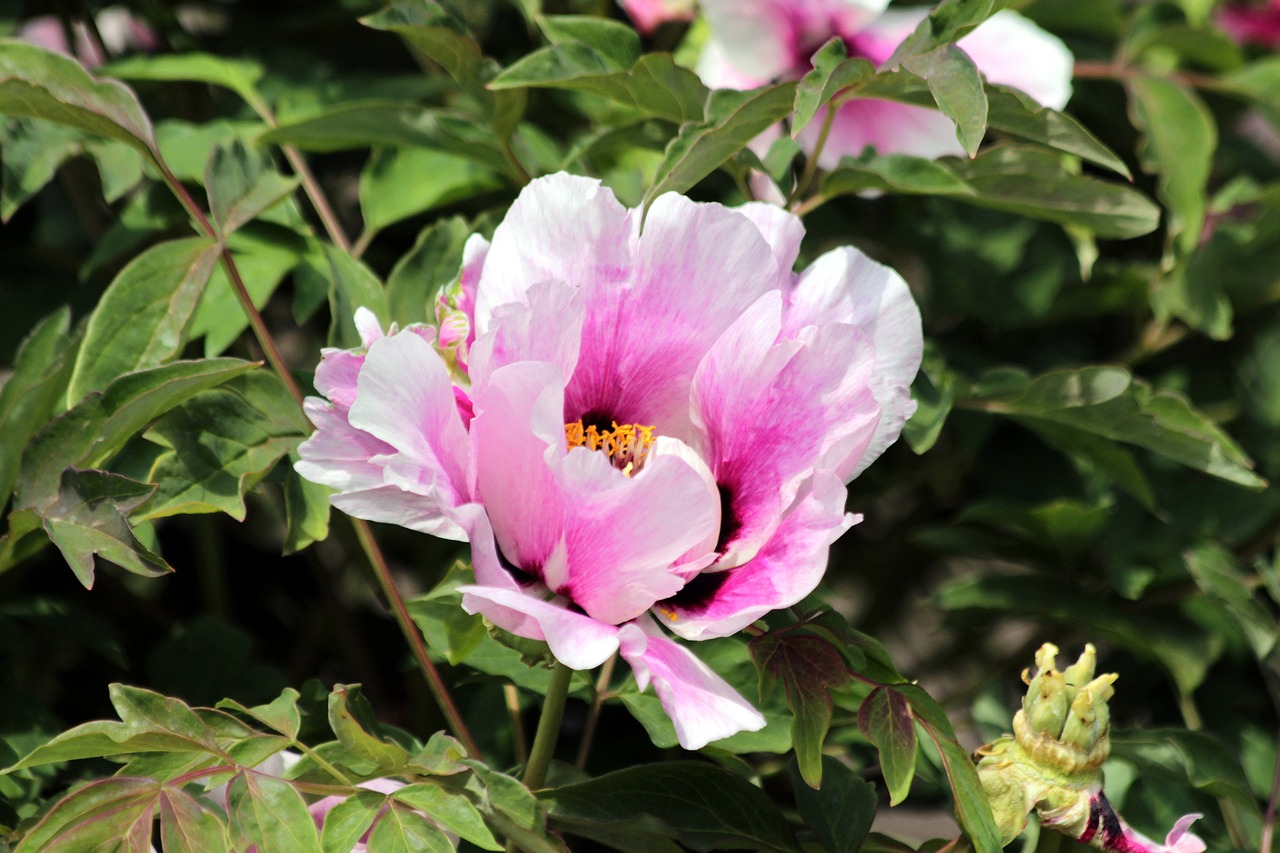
(811, 163)
(593, 716)
(1269, 818)
(363, 241)
(1121, 73)
(520, 742)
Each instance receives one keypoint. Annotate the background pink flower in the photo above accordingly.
(654, 427)
(755, 42)
(648, 15)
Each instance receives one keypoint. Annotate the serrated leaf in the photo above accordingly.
(220, 444)
(241, 184)
(39, 84)
(702, 806)
(885, 719)
(809, 667)
(839, 813)
(832, 72)
(957, 89)
(451, 810)
(732, 120)
(88, 520)
(140, 319)
(403, 830)
(270, 814)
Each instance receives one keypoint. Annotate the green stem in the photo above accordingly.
(597, 704)
(1050, 841)
(544, 742)
(811, 163)
(519, 742)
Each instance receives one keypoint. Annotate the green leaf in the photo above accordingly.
(654, 84)
(239, 75)
(389, 757)
(885, 719)
(1199, 759)
(1161, 635)
(451, 810)
(119, 166)
(38, 84)
(809, 667)
(433, 262)
(41, 370)
(114, 814)
(1109, 402)
(188, 827)
(91, 433)
(732, 120)
(617, 42)
(946, 23)
(88, 520)
(1034, 183)
(1219, 576)
(269, 813)
(400, 183)
(509, 807)
(140, 320)
(241, 184)
(1100, 454)
(864, 653)
(430, 28)
(263, 258)
(934, 393)
(402, 830)
(971, 803)
(841, 811)
(894, 173)
(353, 285)
(349, 820)
(1018, 114)
(956, 86)
(280, 715)
(33, 151)
(306, 507)
(832, 72)
(143, 708)
(220, 444)
(701, 806)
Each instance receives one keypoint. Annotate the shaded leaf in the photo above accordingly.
(32, 152)
(88, 520)
(957, 88)
(832, 72)
(702, 806)
(434, 261)
(280, 715)
(141, 318)
(841, 811)
(118, 810)
(885, 719)
(241, 184)
(239, 75)
(388, 757)
(946, 23)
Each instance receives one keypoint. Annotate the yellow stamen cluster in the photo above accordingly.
(626, 445)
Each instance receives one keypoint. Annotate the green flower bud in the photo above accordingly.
(1046, 703)
(1081, 672)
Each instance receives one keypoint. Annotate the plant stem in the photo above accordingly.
(382, 572)
(1269, 817)
(593, 717)
(519, 743)
(811, 163)
(363, 532)
(1050, 842)
(544, 742)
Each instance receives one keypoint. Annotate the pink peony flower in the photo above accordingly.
(1252, 23)
(649, 427)
(648, 15)
(120, 30)
(754, 42)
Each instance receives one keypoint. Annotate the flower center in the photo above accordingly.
(626, 445)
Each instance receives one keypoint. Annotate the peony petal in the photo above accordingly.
(517, 431)
(886, 126)
(561, 228)
(845, 286)
(576, 640)
(785, 570)
(695, 268)
(701, 704)
(367, 325)
(625, 533)
(770, 409)
(649, 14)
(781, 229)
(405, 398)
(545, 325)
